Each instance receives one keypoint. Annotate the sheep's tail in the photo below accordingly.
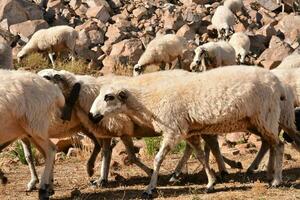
(291, 134)
(60, 100)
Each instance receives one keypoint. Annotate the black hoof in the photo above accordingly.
(145, 195)
(249, 173)
(103, 183)
(3, 180)
(209, 190)
(239, 165)
(43, 194)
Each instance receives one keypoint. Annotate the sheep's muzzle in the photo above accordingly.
(95, 118)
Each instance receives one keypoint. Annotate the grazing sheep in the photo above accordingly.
(6, 60)
(241, 44)
(222, 100)
(52, 40)
(25, 116)
(211, 55)
(162, 49)
(223, 20)
(234, 5)
(291, 61)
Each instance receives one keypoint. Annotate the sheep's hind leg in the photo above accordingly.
(47, 148)
(128, 143)
(29, 158)
(186, 155)
(261, 153)
(196, 144)
(166, 145)
(3, 178)
(104, 171)
(277, 163)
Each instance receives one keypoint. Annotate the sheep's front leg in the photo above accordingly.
(261, 153)
(96, 150)
(166, 146)
(196, 144)
(104, 171)
(51, 59)
(29, 158)
(186, 155)
(128, 143)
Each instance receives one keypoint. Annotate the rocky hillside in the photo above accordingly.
(114, 33)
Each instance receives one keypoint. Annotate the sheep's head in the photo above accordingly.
(109, 100)
(241, 57)
(137, 70)
(198, 64)
(225, 32)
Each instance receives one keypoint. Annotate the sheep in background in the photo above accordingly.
(291, 61)
(243, 99)
(241, 44)
(161, 50)
(24, 116)
(223, 20)
(52, 40)
(211, 55)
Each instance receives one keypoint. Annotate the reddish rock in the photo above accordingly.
(99, 12)
(28, 28)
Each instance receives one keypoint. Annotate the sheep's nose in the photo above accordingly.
(198, 62)
(95, 118)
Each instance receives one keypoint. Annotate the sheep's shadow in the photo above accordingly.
(163, 192)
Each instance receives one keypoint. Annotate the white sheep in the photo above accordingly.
(241, 43)
(223, 20)
(211, 55)
(52, 40)
(291, 61)
(28, 103)
(221, 100)
(6, 60)
(163, 49)
(234, 5)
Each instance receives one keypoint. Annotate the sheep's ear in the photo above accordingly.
(123, 95)
(70, 102)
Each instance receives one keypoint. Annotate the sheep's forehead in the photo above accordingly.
(47, 72)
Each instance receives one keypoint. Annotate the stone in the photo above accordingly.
(99, 12)
(17, 11)
(63, 144)
(139, 12)
(187, 32)
(237, 137)
(96, 37)
(28, 28)
(272, 56)
(290, 27)
(74, 4)
(172, 21)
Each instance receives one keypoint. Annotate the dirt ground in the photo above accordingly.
(71, 181)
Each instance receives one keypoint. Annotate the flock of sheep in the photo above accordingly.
(175, 104)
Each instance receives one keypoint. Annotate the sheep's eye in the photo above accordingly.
(47, 77)
(109, 97)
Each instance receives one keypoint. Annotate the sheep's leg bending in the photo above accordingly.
(104, 171)
(131, 155)
(166, 145)
(96, 150)
(196, 144)
(186, 155)
(51, 59)
(29, 158)
(48, 149)
(261, 153)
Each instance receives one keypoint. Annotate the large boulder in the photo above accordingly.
(28, 28)
(290, 27)
(17, 11)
